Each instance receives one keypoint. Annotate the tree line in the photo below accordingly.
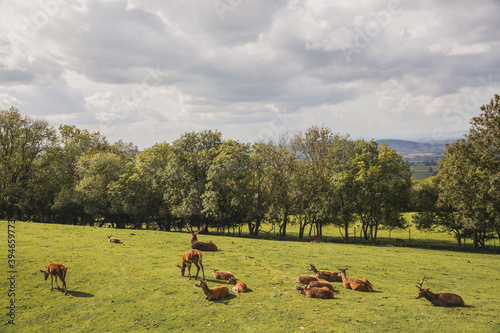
(312, 178)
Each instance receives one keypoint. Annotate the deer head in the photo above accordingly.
(421, 291)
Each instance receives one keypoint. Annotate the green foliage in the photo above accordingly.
(135, 286)
(23, 141)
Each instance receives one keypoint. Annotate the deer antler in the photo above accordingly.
(188, 227)
(200, 230)
(421, 283)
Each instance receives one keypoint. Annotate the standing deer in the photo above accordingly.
(441, 299)
(324, 292)
(113, 239)
(219, 291)
(220, 275)
(239, 286)
(326, 275)
(56, 271)
(401, 242)
(355, 284)
(306, 279)
(192, 257)
(196, 244)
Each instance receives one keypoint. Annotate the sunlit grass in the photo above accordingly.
(136, 286)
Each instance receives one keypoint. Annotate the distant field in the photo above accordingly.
(136, 286)
(422, 172)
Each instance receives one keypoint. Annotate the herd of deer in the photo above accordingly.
(314, 287)
(194, 256)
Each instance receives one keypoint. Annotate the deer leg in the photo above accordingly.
(203, 271)
(197, 270)
(55, 278)
(51, 282)
(189, 270)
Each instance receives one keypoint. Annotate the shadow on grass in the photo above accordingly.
(226, 299)
(75, 293)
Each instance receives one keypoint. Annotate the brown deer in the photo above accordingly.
(441, 299)
(220, 275)
(326, 275)
(239, 287)
(196, 244)
(401, 242)
(306, 279)
(192, 257)
(113, 239)
(218, 292)
(355, 284)
(56, 271)
(321, 284)
(324, 292)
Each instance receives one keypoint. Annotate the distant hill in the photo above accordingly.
(417, 152)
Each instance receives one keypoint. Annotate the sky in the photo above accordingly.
(148, 71)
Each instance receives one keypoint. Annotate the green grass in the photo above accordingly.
(421, 171)
(136, 286)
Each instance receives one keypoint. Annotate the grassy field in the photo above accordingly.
(135, 286)
(421, 171)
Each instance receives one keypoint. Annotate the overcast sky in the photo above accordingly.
(149, 71)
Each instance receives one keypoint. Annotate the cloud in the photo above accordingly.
(148, 71)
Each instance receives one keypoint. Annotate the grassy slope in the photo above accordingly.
(136, 286)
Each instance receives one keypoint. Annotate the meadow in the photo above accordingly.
(136, 286)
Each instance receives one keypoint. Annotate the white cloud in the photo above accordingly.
(148, 71)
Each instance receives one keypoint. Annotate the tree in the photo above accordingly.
(98, 179)
(73, 144)
(281, 167)
(433, 213)
(186, 174)
(229, 194)
(311, 178)
(342, 180)
(22, 143)
(384, 182)
(151, 164)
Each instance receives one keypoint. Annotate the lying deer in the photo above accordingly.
(196, 244)
(321, 284)
(113, 239)
(239, 287)
(306, 279)
(219, 291)
(326, 275)
(355, 284)
(56, 271)
(192, 257)
(441, 299)
(220, 275)
(324, 292)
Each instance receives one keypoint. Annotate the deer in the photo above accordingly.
(355, 284)
(440, 299)
(306, 279)
(196, 244)
(239, 287)
(314, 292)
(56, 271)
(218, 292)
(113, 239)
(192, 257)
(220, 275)
(401, 242)
(321, 284)
(326, 275)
